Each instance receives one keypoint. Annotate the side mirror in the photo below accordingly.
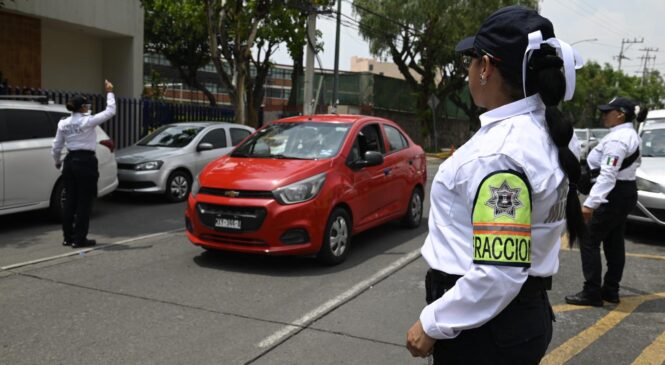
(204, 147)
(372, 158)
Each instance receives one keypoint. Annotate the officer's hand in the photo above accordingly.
(58, 165)
(418, 342)
(587, 213)
(108, 86)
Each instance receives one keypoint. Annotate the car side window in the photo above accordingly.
(368, 139)
(396, 140)
(216, 137)
(237, 135)
(26, 124)
(56, 117)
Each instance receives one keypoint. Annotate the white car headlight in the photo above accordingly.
(650, 186)
(196, 186)
(300, 191)
(149, 165)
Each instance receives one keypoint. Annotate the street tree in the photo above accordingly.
(420, 36)
(177, 30)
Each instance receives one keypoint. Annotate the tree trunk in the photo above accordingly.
(240, 106)
(296, 73)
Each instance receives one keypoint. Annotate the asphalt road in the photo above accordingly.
(145, 295)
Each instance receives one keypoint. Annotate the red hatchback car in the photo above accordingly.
(305, 185)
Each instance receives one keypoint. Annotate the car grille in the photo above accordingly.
(233, 240)
(135, 184)
(256, 194)
(250, 218)
(126, 166)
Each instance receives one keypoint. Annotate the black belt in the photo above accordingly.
(533, 284)
(81, 152)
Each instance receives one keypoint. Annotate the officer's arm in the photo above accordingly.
(614, 152)
(58, 144)
(501, 244)
(105, 115)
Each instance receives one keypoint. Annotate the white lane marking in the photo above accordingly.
(310, 317)
(77, 252)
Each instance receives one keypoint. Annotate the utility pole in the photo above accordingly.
(335, 98)
(621, 57)
(309, 62)
(646, 59)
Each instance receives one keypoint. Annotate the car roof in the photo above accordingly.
(653, 126)
(330, 118)
(656, 114)
(31, 105)
(207, 124)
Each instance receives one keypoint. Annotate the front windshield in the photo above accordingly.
(653, 143)
(171, 136)
(304, 140)
(581, 134)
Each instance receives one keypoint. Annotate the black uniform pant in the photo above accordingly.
(519, 334)
(80, 175)
(607, 225)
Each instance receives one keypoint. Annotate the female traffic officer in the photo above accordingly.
(610, 200)
(500, 204)
(79, 172)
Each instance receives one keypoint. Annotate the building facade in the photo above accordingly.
(73, 45)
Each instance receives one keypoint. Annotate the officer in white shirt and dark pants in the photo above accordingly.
(609, 202)
(500, 204)
(79, 171)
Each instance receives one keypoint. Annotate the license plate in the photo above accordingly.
(227, 223)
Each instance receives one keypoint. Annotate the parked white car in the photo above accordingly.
(167, 160)
(28, 177)
(651, 176)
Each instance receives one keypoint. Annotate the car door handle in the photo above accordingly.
(387, 170)
(410, 162)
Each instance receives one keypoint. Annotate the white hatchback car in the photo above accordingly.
(28, 177)
(651, 176)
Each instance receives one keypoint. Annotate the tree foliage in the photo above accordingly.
(596, 84)
(421, 35)
(177, 30)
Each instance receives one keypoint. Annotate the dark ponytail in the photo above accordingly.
(544, 76)
(70, 106)
(642, 115)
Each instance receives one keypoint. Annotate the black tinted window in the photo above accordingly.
(216, 137)
(237, 135)
(396, 140)
(25, 124)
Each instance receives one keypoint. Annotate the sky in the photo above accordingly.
(598, 27)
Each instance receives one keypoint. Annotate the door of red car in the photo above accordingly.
(372, 199)
(396, 162)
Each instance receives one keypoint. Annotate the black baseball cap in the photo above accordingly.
(504, 35)
(625, 105)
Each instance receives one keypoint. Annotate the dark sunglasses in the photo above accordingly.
(468, 56)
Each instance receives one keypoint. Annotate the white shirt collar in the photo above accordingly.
(622, 126)
(519, 107)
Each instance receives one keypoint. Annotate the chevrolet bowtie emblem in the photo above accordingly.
(231, 193)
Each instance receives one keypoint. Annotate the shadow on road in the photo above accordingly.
(381, 240)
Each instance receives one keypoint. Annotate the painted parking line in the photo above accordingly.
(86, 250)
(325, 308)
(577, 344)
(654, 354)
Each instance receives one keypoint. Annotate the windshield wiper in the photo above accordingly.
(285, 157)
(239, 154)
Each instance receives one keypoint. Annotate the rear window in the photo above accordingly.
(20, 125)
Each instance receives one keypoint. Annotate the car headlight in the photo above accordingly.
(300, 191)
(196, 186)
(149, 165)
(650, 186)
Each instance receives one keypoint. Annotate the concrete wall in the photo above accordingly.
(86, 41)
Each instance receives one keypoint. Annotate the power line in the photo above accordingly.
(592, 19)
(593, 11)
(385, 17)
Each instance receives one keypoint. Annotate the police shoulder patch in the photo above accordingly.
(502, 220)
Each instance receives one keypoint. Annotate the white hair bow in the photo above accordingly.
(572, 60)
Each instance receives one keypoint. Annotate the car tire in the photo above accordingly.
(414, 210)
(178, 186)
(56, 205)
(336, 238)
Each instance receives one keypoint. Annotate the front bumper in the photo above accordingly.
(267, 225)
(151, 181)
(650, 208)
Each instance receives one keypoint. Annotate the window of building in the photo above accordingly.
(371, 67)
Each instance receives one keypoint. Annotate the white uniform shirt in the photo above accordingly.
(512, 137)
(77, 131)
(608, 155)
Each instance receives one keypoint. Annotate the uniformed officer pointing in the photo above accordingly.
(500, 204)
(79, 170)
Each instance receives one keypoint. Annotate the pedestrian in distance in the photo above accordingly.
(500, 204)
(79, 169)
(613, 196)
